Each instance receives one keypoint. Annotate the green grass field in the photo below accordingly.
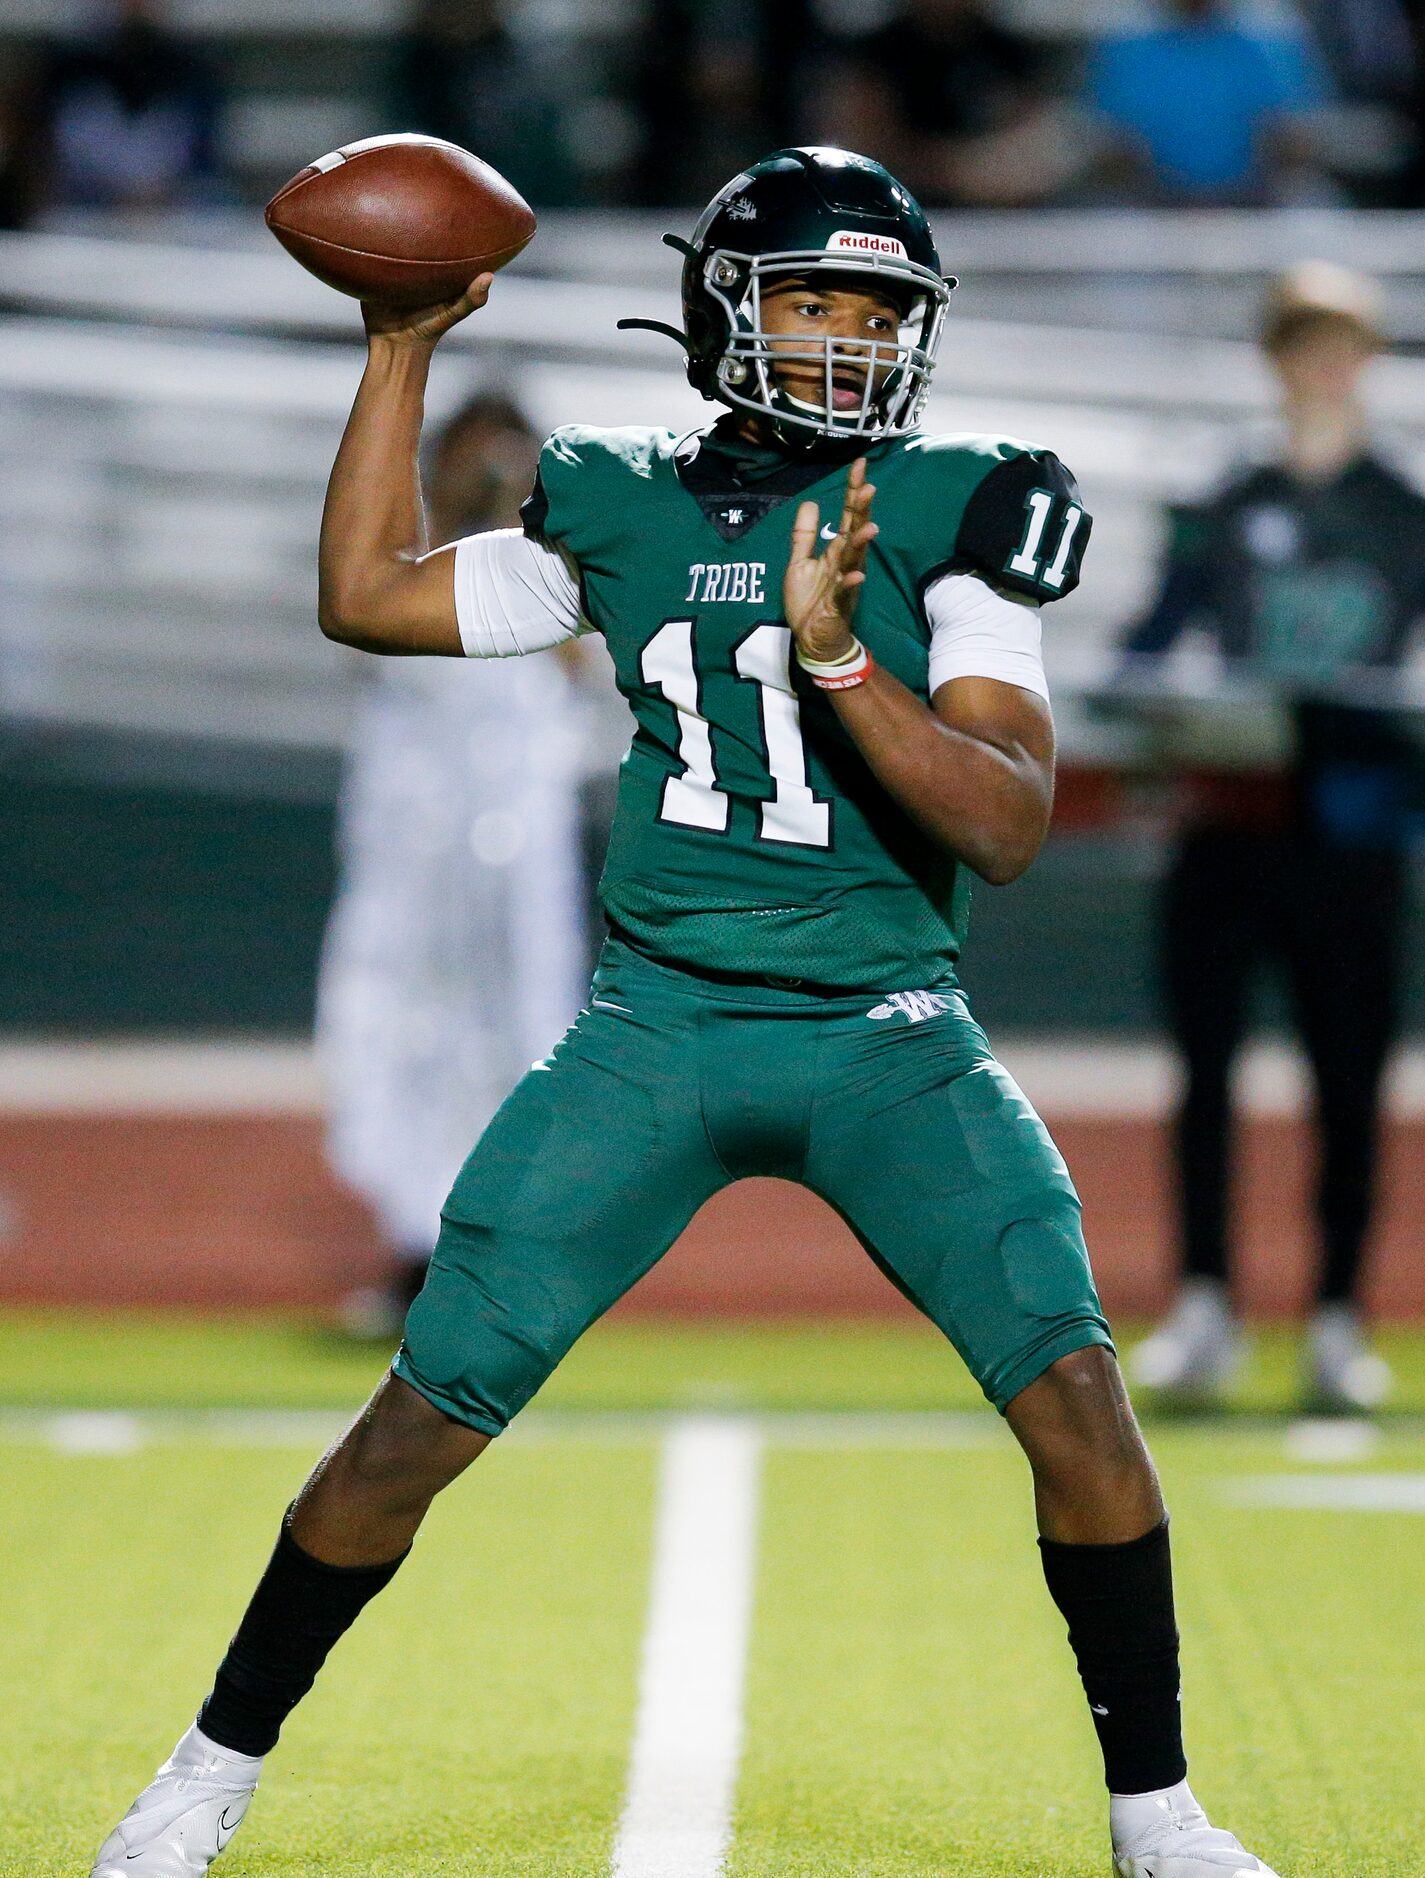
(911, 1707)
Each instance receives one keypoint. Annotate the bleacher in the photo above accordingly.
(168, 414)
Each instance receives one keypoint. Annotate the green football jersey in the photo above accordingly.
(750, 835)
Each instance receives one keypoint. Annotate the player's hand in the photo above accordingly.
(819, 591)
(424, 325)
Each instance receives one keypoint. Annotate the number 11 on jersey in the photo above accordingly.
(1028, 558)
(792, 814)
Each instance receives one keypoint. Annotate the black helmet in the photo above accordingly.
(805, 212)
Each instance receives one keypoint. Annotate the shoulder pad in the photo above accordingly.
(576, 465)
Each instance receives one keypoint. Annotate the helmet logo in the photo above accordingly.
(742, 209)
(849, 239)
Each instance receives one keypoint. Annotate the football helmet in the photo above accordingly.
(808, 213)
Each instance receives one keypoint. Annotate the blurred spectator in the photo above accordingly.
(1367, 44)
(126, 117)
(455, 954)
(1367, 138)
(1308, 571)
(719, 83)
(459, 72)
(954, 104)
(1204, 110)
(21, 175)
(1411, 193)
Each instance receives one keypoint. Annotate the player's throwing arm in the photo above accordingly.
(379, 587)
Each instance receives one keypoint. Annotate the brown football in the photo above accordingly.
(405, 220)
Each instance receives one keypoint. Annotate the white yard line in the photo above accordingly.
(1329, 1493)
(688, 1736)
(1316, 1444)
(97, 1431)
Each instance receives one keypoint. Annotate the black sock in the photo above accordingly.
(1118, 1600)
(298, 1611)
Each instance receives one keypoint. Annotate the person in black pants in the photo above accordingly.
(1308, 571)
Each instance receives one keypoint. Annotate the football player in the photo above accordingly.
(827, 626)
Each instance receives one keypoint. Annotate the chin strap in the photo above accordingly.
(686, 249)
(654, 326)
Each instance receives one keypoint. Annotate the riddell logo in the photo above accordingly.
(867, 244)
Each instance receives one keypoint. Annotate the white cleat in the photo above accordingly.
(1197, 1349)
(185, 1816)
(1207, 1854)
(1167, 1835)
(1346, 1374)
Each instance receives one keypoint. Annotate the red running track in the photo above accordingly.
(239, 1210)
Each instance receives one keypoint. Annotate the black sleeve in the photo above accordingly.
(1025, 528)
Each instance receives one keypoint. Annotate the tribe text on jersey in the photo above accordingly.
(730, 582)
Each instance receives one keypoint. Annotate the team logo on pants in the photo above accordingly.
(916, 1005)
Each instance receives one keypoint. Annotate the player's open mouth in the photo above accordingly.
(848, 387)
(847, 391)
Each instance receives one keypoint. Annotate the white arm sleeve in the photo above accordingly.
(513, 595)
(978, 633)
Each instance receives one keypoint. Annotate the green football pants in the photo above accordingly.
(670, 1087)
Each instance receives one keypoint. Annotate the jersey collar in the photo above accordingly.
(738, 484)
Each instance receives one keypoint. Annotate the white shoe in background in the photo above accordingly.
(185, 1816)
(1344, 1372)
(1197, 1350)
